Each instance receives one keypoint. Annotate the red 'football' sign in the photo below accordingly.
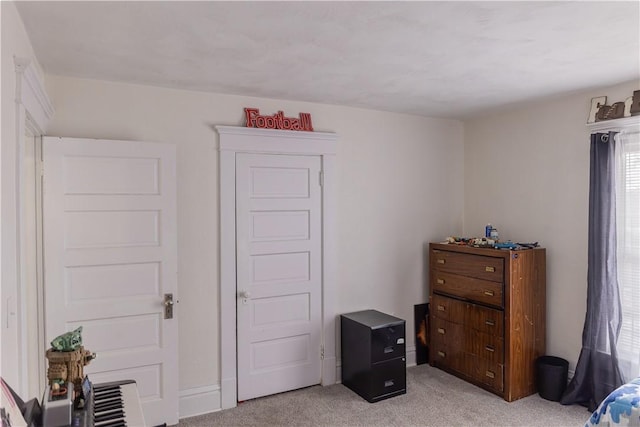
(278, 121)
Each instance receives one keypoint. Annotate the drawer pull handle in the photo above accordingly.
(441, 331)
(490, 374)
(440, 261)
(489, 348)
(490, 269)
(388, 383)
(489, 293)
(442, 354)
(490, 323)
(440, 281)
(388, 349)
(441, 307)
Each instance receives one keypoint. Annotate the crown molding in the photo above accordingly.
(277, 133)
(243, 139)
(31, 94)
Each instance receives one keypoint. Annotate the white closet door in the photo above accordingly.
(279, 278)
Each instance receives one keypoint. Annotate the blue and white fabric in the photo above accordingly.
(620, 408)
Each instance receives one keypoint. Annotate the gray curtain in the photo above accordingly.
(597, 372)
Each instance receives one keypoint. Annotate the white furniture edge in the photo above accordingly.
(234, 140)
(626, 124)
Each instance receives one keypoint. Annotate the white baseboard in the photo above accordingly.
(328, 365)
(411, 356)
(198, 401)
(203, 400)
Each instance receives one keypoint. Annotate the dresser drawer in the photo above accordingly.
(447, 344)
(484, 346)
(485, 319)
(445, 357)
(447, 308)
(478, 266)
(485, 371)
(478, 290)
(447, 333)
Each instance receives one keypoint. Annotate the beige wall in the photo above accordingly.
(400, 185)
(527, 172)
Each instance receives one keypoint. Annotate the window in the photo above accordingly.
(628, 250)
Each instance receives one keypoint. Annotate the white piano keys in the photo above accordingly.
(117, 405)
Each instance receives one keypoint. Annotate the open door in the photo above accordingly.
(110, 261)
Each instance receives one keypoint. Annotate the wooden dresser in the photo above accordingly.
(487, 315)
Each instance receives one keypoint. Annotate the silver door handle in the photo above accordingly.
(168, 306)
(244, 294)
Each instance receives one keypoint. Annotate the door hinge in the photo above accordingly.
(321, 352)
(41, 167)
(321, 178)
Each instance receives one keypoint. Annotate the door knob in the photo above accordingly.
(244, 295)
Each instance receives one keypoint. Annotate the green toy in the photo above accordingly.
(68, 341)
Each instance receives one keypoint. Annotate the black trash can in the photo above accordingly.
(551, 375)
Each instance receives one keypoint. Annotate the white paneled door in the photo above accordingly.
(110, 257)
(279, 279)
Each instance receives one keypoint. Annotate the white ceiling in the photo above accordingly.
(440, 59)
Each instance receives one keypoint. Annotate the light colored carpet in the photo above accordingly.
(434, 398)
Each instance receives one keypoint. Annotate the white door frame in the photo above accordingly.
(33, 112)
(269, 141)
